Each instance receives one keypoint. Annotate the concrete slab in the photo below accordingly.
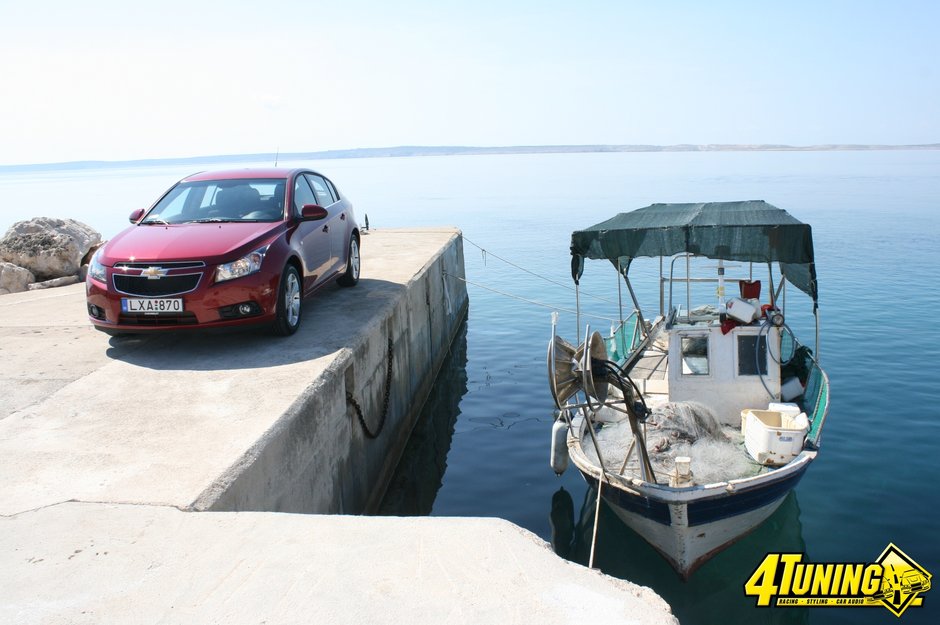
(107, 444)
(160, 419)
(93, 563)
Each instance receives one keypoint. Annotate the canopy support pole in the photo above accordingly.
(636, 306)
(620, 293)
(577, 307)
(722, 309)
(662, 294)
(770, 270)
(780, 289)
(816, 315)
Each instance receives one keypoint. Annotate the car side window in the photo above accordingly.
(324, 197)
(302, 195)
(333, 190)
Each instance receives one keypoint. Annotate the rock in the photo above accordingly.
(48, 247)
(86, 259)
(48, 284)
(14, 279)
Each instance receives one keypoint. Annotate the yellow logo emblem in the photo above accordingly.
(894, 580)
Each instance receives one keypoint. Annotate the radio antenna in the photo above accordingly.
(276, 155)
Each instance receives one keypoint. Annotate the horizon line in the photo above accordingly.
(458, 150)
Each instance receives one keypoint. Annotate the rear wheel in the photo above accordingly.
(353, 264)
(289, 300)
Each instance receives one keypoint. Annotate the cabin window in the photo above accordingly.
(695, 355)
(752, 355)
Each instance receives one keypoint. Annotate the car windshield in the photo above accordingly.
(220, 200)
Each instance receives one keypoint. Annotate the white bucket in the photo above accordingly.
(785, 407)
(741, 310)
(774, 438)
(790, 389)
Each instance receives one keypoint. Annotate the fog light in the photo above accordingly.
(236, 311)
(95, 311)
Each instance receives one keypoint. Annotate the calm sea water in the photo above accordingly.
(483, 443)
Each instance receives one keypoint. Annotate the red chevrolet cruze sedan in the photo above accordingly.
(226, 248)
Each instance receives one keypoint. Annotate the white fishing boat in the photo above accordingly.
(695, 425)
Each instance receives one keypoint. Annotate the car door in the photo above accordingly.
(314, 236)
(336, 221)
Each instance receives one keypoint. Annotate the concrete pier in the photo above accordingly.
(109, 447)
(229, 422)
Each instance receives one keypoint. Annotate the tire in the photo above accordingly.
(353, 264)
(289, 303)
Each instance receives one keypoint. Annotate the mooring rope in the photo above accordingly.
(388, 392)
(529, 301)
(541, 277)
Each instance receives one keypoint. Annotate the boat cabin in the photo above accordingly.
(726, 371)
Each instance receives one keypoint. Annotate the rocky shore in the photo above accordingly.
(45, 252)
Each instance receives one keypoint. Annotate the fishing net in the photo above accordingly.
(677, 429)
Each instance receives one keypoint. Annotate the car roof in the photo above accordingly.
(245, 173)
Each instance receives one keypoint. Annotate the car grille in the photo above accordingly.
(182, 319)
(185, 264)
(145, 287)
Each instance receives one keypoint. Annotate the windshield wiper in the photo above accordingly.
(209, 220)
(155, 220)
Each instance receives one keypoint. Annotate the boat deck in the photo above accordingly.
(651, 371)
(716, 457)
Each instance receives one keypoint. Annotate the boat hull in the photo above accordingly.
(690, 525)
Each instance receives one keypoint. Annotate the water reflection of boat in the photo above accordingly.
(654, 415)
(715, 594)
(417, 479)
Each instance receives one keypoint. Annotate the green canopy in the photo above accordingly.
(752, 231)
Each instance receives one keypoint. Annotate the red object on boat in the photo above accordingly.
(728, 325)
(750, 289)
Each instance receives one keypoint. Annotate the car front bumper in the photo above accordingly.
(208, 305)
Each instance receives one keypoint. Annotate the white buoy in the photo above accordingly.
(559, 460)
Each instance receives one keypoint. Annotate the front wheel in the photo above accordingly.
(289, 299)
(351, 277)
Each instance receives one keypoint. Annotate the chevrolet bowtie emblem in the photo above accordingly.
(153, 273)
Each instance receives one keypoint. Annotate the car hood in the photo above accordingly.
(208, 242)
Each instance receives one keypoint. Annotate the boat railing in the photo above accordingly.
(625, 339)
(689, 280)
(816, 399)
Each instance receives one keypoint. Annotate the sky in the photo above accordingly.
(116, 80)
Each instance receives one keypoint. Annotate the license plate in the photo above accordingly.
(151, 306)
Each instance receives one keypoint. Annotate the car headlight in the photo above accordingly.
(96, 270)
(244, 266)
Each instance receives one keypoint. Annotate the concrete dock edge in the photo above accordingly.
(317, 457)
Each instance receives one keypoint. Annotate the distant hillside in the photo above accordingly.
(403, 151)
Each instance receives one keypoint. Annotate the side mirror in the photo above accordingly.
(136, 215)
(313, 212)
